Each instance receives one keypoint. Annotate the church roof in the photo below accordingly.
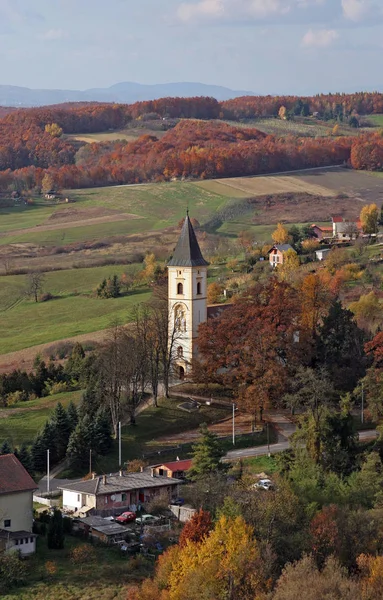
(187, 252)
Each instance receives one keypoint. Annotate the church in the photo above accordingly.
(187, 297)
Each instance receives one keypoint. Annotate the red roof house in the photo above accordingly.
(176, 469)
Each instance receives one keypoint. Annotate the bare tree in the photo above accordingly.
(35, 283)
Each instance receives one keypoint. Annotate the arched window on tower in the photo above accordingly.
(180, 352)
(199, 292)
(180, 289)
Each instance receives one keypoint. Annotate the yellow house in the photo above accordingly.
(16, 506)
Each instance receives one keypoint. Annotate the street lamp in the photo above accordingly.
(233, 424)
(268, 440)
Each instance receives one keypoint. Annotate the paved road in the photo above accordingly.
(281, 446)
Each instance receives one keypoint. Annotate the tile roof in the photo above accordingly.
(13, 476)
(187, 252)
(15, 535)
(178, 465)
(281, 247)
(118, 483)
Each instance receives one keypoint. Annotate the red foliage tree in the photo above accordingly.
(197, 528)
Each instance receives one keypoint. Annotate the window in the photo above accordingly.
(31, 540)
(199, 288)
(16, 542)
(123, 497)
(7, 522)
(180, 289)
(180, 352)
(21, 541)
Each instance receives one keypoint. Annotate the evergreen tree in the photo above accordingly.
(92, 397)
(207, 454)
(24, 457)
(38, 455)
(72, 415)
(61, 426)
(75, 364)
(55, 534)
(116, 288)
(5, 448)
(102, 439)
(80, 442)
(39, 378)
(101, 290)
(47, 439)
(340, 348)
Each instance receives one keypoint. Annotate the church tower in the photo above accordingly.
(187, 297)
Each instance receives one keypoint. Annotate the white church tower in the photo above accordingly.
(187, 296)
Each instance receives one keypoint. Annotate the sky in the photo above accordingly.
(264, 46)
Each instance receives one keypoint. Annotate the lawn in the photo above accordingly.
(22, 423)
(376, 120)
(260, 464)
(105, 576)
(75, 310)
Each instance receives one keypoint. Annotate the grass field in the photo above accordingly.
(74, 310)
(22, 422)
(376, 120)
(299, 126)
(104, 577)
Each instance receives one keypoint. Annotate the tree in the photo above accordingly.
(62, 430)
(282, 113)
(214, 293)
(280, 235)
(13, 571)
(289, 266)
(55, 533)
(5, 448)
(197, 528)
(367, 310)
(207, 454)
(48, 183)
(74, 366)
(72, 415)
(80, 442)
(315, 299)
(303, 579)
(54, 130)
(24, 457)
(35, 284)
(340, 348)
(324, 534)
(369, 218)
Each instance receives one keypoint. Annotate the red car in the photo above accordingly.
(126, 517)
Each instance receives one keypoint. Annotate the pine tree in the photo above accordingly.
(72, 415)
(101, 290)
(92, 398)
(75, 363)
(24, 457)
(207, 454)
(102, 439)
(116, 289)
(5, 448)
(55, 534)
(38, 455)
(61, 426)
(48, 442)
(80, 442)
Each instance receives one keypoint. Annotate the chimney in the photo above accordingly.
(104, 479)
(93, 475)
(152, 472)
(141, 469)
(120, 473)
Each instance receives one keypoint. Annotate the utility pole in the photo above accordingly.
(90, 461)
(119, 445)
(268, 439)
(233, 424)
(362, 415)
(48, 470)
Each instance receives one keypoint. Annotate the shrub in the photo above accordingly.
(45, 297)
(12, 571)
(83, 554)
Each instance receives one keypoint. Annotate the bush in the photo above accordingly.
(57, 387)
(45, 297)
(83, 554)
(13, 571)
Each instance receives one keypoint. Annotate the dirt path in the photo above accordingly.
(67, 224)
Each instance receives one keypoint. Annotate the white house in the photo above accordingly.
(16, 506)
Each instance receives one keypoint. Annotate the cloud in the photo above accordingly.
(53, 35)
(358, 10)
(322, 38)
(239, 9)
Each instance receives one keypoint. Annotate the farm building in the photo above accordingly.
(322, 232)
(277, 252)
(346, 229)
(322, 254)
(102, 530)
(110, 494)
(176, 469)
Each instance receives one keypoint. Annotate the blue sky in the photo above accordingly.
(267, 46)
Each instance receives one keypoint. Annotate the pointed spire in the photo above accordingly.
(187, 252)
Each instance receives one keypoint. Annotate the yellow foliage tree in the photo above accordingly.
(315, 300)
(280, 235)
(54, 130)
(371, 568)
(282, 113)
(335, 130)
(150, 267)
(369, 217)
(48, 183)
(310, 245)
(368, 311)
(214, 292)
(289, 266)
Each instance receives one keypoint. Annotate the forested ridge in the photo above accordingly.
(197, 146)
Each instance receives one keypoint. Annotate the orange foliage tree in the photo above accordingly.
(197, 528)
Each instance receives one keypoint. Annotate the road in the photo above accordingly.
(281, 446)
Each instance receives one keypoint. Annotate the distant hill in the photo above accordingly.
(126, 92)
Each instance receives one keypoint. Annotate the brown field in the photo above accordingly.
(356, 184)
(128, 135)
(271, 184)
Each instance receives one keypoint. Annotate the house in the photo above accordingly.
(112, 494)
(322, 254)
(322, 232)
(345, 229)
(176, 469)
(102, 530)
(277, 252)
(16, 506)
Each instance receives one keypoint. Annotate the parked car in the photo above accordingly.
(178, 501)
(264, 484)
(147, 519)
(126, 517)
